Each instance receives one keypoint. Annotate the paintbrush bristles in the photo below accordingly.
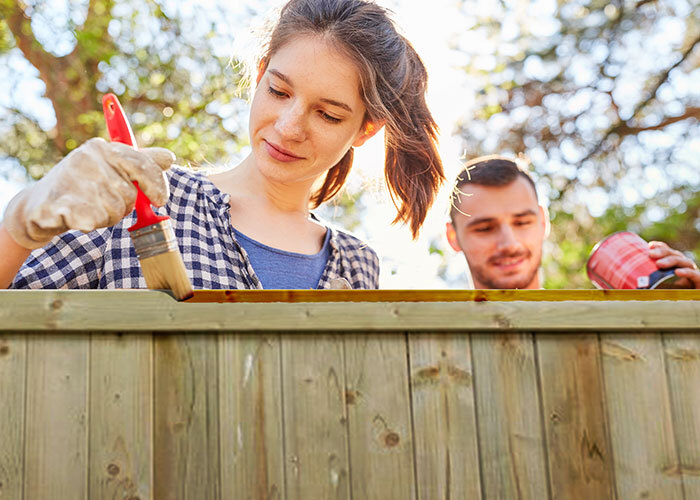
(167, 271)
(160, 259)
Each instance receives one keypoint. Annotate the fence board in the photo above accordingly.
(579, 452)
(13, 358)
(57, 417)
(385, 399)
(379, 417)
(156, 311)
(315, 420)
(509, 417)
(121, 417)
(639, 413)
(186, 457)
(444, 419)
(683, 366)
(250, 385)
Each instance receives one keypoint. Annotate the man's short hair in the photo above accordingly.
(492, 170)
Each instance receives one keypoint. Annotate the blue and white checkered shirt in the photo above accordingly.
(105, 258)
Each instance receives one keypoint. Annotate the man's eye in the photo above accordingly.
(523, 222)
(483, 229)
(275, 92)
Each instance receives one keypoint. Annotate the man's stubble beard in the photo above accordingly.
(493, 284)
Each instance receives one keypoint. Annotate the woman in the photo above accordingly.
(333, 72)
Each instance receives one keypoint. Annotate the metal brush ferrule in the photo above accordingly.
(153, 240)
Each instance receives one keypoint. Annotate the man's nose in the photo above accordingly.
(507, 239)
(290, 123)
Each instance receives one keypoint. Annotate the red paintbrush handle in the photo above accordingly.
(120, 131)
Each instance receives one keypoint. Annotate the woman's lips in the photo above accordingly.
(280, 154)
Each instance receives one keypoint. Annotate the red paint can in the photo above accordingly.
(622, 261)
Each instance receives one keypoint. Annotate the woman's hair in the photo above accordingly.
(393, 85)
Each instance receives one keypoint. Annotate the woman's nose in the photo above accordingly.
(290, 123)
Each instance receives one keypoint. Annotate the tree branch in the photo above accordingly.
(641, 3)
(21, 27)
(664, 77)
(623, 126)
(689, 113)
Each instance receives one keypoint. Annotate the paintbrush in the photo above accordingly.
(152, 235)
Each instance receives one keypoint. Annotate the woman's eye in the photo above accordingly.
(329, 118)
(275, 92)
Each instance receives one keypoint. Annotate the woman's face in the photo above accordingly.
(306, 113)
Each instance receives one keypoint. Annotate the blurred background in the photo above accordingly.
(602, 97)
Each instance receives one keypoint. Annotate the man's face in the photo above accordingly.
(501, 236)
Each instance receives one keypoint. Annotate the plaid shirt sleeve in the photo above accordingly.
(72, 260)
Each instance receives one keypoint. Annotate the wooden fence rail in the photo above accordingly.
(350, 395)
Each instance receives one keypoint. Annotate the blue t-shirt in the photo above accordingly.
(279, 269)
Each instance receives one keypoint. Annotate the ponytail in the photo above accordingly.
(413, 168)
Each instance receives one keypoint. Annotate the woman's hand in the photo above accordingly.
(666, 257)
(90, 188)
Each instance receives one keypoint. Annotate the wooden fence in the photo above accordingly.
(346, 394)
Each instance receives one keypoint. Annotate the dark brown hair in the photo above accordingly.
(393, 85)
(488, 171)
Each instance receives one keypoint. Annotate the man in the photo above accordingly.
(499, 225)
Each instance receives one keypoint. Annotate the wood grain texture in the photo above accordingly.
(379, 417)
(579, 451)
(683, 366)
(250, 417)
(639, 412)
(511, 440)
(444, 417)
(121, 417)
(315, 420)
(186, 434)
(62, 310)
(347, 400)
(56, 454)
(437, 295)
(13, 359)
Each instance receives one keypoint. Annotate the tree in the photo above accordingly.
(167, 62)
(604, 98)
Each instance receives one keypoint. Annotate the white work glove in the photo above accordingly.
(90, 188)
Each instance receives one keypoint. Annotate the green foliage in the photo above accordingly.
(6, 40)
(172, 77)
(26, 142)
(602, 97)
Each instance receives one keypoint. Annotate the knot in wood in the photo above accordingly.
(350, 396)
(391, 439)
